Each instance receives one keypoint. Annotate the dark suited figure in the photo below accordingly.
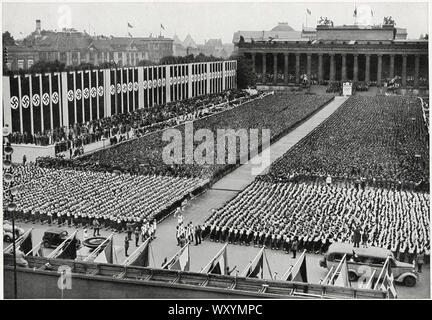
(199, 232)
(126, 246)
(294, 247)
(137, 236)
(357, 238)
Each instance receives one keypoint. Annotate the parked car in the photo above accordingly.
(7, 231)
(373, 257)
(53, 237)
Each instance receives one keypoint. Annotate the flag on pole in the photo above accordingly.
(107, 255)
(371, 12)
(180, 261)
(355, 12)
(69, 251)
(342, 279)
(162, 27)
(218, 264)
(129, 25)
(255, 267)
(130, 35)
(298, 272)
(308, 12)
(26, 244)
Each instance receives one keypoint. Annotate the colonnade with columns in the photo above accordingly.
(291, 67)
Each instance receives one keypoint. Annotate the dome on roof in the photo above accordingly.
(282, 26)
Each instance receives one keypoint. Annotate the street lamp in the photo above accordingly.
(13, 191)
(115, 86)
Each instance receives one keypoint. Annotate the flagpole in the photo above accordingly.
(175, 256)
(143, 245)
(217, 254)
(243, 274)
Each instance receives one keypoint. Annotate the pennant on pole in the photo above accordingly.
(219, 263)
(298, 272)
(26, 244)
(140, 257)
(180, 261)
(255, 267)
(342, 279)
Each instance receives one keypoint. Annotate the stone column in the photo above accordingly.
(297, 71)
(264, 67)
(253, 62)
(320, 67)
(416, 70)
(309, 66)
(332, 67)
(274, 68)
(344, 73)
(286, 68)
(379, 70)
(355, 73)
(392, 59)
(404, 70)
(367, 68)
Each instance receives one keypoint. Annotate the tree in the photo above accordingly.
(8, 40)
(143, 63)
(47, 66)
(245, 76)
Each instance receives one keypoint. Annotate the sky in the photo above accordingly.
(202, 20)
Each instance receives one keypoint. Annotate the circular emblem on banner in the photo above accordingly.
(112, 89)
(25, 101)
(154, 83)
(93, 92)
(145, 84)
(86, 93)
(119, 88)
(36, 100)
(130, 86)
(159, 82)
(70, 95)
(164, 82)
(135, 86)
(78, 94)
(45, 98)
(183, 79)
(14, 102)
(124, 87)
(55, 98)
(171, 81)
(149, 84)
(100, 91)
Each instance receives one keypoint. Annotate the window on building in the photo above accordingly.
(29, 63)
(20, 64)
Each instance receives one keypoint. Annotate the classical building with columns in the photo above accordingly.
(369, 54)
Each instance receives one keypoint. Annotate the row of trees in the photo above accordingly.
(245, 76)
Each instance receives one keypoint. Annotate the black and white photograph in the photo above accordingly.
(210, 150)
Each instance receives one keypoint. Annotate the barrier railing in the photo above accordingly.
(259, 288)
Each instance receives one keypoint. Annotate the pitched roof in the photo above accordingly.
(282, 26)
(189, 42)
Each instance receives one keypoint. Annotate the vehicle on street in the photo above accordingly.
(7, 231)
(372, 257)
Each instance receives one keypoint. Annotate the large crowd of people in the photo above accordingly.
(144, 155)
(113, 198)
(80, 134)
(275, 214)
(382, 140)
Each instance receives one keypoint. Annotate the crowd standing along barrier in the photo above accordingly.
(37, 102)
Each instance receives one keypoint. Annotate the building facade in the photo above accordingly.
(73, 48)
(370, 54)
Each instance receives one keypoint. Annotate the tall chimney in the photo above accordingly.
(38, 26)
